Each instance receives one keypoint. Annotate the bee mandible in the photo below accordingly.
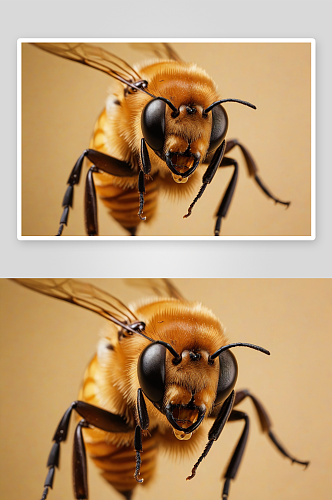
(163, 368)
(164, 123)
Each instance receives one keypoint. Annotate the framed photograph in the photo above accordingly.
(54, 353)
(195, 138)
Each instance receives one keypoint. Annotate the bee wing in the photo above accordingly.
(159, 286)
(95, 57)
(84, 295)
(160, 50)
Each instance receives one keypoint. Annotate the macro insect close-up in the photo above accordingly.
(164, 379)
(167, 130)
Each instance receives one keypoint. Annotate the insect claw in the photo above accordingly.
(138, 480)
(193, 474)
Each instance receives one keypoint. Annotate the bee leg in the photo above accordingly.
(266, 424)
(238, 452)
(54, 456)
(141, 190)
(104, 163)
(67, 201)
(79, 463)
(90, 204)
(138, 450)
(215, 430)
(146, 169)
(252, 168)
(91, 414)
(143, 417)
(227, 198)
(208, 176)
(142, 411)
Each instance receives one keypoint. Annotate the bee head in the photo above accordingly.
(188, 389)
(201, 383)
(183, 136)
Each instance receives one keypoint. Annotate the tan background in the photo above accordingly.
(61, 101)
(46, 344)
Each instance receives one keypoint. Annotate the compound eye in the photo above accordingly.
(153, 124)
(151, 372)
(227, 376)
(219, 127)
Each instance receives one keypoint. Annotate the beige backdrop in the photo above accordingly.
(46, 344)
(61, 101)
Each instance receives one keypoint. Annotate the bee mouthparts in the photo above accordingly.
(182, 165)
(185, 419)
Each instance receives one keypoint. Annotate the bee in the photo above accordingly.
(163, 130)
(163, 368)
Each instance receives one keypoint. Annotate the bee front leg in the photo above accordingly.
(146, 169)
(208, 176)
(266, 425)
(102, 163)
(144, 421)
(215, 430)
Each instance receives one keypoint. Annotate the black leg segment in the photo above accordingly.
(143, 418)
(227, 198)
(208, 176)
(252, 169)
(215, 430)
(138, 450)
(90, 204)
(266, 424)
(236, 458)
(80, 478)
(269, 194)
(142, 411)
(92, 416)
(145, 170)
(103, 163)
(141, 190)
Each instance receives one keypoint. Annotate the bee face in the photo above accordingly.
(185, 389)
(183, 134)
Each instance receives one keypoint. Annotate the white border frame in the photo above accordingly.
(312, 41)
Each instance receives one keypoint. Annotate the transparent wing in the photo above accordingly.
(95, 57)
(160, 50)
(162, 287)
(84, 295)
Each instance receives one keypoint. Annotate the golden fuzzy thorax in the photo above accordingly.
(184, 85)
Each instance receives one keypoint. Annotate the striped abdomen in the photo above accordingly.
(120, 194)
(113, 453)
